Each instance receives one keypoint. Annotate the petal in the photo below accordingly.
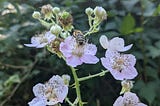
(106, 63)
(126, 48)
(130, 59)
(41, 45)
(65, 49)
(73, 61)
(35, 40)
(111, 54)
(129, 72)
(117, 74)
(39, 90)
(141, 104)
(116, 44)
(119, 101)
(55, 80)
(37, 102)
(90, 49)
(31, 45)
(62, 93)
(50, 36)
(130, 97)
(86, 58)
(52, 102)
(104, 41)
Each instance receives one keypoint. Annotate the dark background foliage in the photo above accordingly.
(137, 21)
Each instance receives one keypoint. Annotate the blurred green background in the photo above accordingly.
(137, 21)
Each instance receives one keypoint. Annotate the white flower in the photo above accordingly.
(50, 93)
(100, 12)
(121, 66)
(41, 40)
(128, 99)
(115, 44)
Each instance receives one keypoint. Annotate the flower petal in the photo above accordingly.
(126, 48)
(130, 59)
(104, 41)
(37, 102)
(129, 72)
(119, 101)
(86, 58)
(39, 90)
(90, 49)
(41, 45)
(141, 104)
(73, 61)
(65, 49)
(116, 44)
(50, 36)
(31, 45)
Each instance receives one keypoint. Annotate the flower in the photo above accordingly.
(41, 40)
(100, 12)
(75, 54)
(50, 93)
(128, 99)
(121, 66)
(115, 44)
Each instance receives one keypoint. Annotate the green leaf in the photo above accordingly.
(148, 92)
(127, 25)
(12, 79)
(157, 11)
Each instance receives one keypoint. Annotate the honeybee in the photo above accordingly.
(80, 39)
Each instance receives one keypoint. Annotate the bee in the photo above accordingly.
(80, 39)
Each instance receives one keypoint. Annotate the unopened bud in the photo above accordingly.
(56, 29)
(36, 15)
(56, 10)
(89, 11)
(127, 85)
(66, 79)
(100, 13)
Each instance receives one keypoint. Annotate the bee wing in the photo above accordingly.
(104, 41)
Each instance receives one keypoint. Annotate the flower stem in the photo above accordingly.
(77, 86)
(69, 102)
(92, 76)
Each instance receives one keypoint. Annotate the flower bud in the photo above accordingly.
(56, 29)
(89, 11)
(56, 10)
(127, 85)
(66, 20)
(100, 13)
(46, 10)
(36, 15)
(66, 79)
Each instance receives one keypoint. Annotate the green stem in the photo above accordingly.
(92, 76)
(77, 86)
(69, 102)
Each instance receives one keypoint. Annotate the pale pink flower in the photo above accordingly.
(121, 66)
(41, 40)
(115, 44)
(128, 99)
(50, 93)
(76, 55)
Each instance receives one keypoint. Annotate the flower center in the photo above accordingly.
(43, 40)
(118, 64)
(50, 95)
(78, 51)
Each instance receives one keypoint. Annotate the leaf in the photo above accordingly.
(148, 92)
(127, 25)
(12, 79)
(157, 11)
